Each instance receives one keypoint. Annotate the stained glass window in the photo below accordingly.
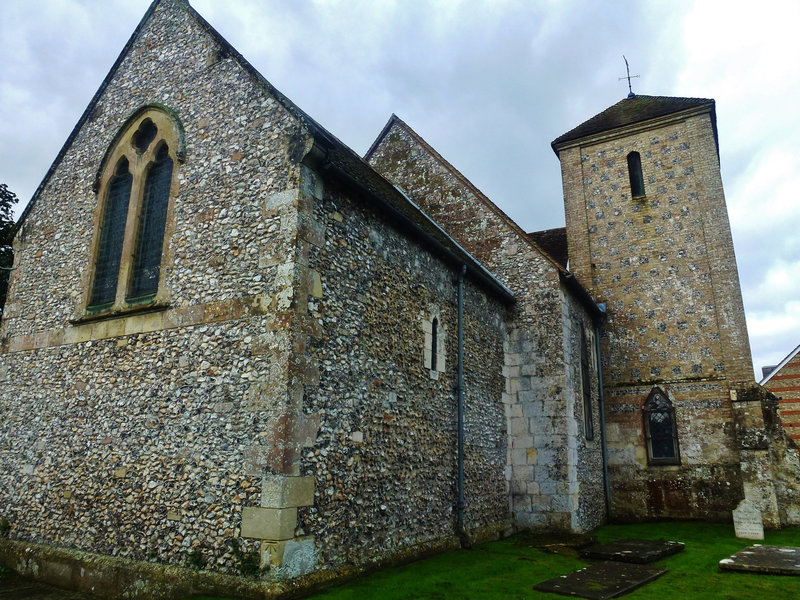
(134, 206)
(150, 236)
(661, 432)
(112, 233)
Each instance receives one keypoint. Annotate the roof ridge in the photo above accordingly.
(479, 194)
(780, 365)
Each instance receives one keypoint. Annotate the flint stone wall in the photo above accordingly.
(142, 436)
(665, 266)
(385, 458)
(537, 391)
(146, 436)
(584, 475)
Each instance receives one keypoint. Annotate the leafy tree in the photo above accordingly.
(7, 201)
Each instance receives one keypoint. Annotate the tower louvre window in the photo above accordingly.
(635, 174)
(660, 430)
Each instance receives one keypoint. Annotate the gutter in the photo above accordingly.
(584, 296)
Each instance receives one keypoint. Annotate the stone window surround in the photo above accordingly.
(427, 328)
(664, 461)
(170, 131)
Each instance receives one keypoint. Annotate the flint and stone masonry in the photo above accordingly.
(664, 264)
(554, 473)
(275, 391)
(288, 393)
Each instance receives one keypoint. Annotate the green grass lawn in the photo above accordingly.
(508, 570)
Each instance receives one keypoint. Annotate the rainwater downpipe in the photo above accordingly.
(460, 505)
(602, 408)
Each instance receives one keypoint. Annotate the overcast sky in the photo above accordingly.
(488, 84)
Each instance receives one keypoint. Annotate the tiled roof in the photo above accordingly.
(780, 365)
(630, 111)
(554, 242)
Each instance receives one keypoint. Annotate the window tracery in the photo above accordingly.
(135, 184)
(660, 428)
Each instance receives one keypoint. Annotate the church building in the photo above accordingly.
(230, 340)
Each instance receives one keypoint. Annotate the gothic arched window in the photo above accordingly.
(635, 174)
(134, 187)
(660, 430)
(112, 231)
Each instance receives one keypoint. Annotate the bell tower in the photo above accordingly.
(648, 234)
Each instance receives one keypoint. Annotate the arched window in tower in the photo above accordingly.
(660, 430)
(134, 186)
(635, 174)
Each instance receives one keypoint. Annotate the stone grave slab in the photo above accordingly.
(747, 521)
(557, 542)
(602, 580)
(772, 560)
(633, 550)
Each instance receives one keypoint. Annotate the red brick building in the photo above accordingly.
(784, 381)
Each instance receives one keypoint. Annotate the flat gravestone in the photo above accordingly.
(602, 580)
(557, 542)
(772, 560)
(747, 521)
(633, 550)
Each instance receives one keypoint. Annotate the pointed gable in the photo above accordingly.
(401, 155)
(414, 187)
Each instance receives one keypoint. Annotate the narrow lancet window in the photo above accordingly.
(152, 221)
(586, 381)
(112, 233)
(660, 429)
(434, 342)
(635, 173)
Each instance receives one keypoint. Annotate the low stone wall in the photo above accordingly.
(114, 578)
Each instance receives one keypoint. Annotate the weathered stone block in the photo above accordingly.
(281, 491)
(268, 523)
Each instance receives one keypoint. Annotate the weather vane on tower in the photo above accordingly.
(629, 77)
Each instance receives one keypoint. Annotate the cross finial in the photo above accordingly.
(629, 77)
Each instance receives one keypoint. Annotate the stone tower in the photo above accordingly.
(648, 234)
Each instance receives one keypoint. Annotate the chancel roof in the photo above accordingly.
(554, 242)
